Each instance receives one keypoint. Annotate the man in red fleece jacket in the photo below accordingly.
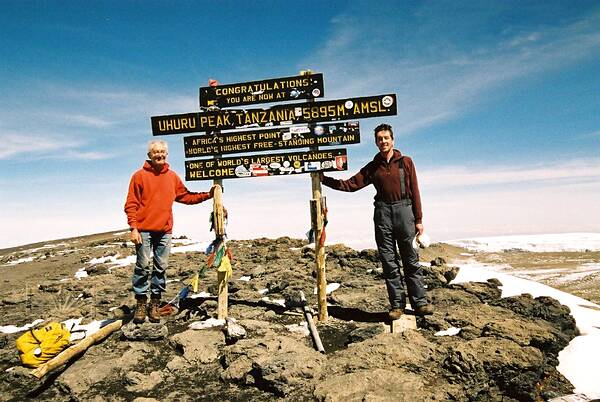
(152, 191)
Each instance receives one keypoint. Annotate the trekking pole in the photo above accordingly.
(311, 324)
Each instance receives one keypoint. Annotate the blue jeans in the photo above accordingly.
(395, 226)
(155, 248)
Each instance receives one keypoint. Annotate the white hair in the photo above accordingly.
(157, 144)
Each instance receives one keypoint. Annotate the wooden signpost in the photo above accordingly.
(219, 228)
(279, 127)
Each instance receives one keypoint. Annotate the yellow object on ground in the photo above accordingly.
(39, 345)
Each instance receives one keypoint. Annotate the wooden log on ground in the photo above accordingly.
(66, 355)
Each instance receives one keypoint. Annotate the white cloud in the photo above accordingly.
(46, 146)
(467, 206)
(116, 104)
(495, 200)
(81, 115)
(460, 176)
(14, 144)
(440, 80)
(593, 134)
(85, 120)
(88, 156)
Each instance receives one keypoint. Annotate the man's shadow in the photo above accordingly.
(356, 314)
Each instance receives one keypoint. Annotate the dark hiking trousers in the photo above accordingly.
(395, 224)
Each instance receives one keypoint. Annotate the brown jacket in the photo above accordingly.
(386, 179)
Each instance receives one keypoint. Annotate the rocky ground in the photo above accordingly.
(506, 348)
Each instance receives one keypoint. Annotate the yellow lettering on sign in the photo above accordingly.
(223, 120)
(266, 144)
(204, 140)
(196, 165)
(268, 135)
(207, 120)
(180, 123)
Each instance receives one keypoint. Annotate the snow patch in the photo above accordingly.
(301, 328)
(199, 295)
(331, 287)
(534, 243)
(19, 261)
(449, 332)
(281, 302)
(81, 273)
(210, 323)
(11, 329)
(194, 246)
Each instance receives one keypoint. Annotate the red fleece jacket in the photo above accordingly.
(150, 198)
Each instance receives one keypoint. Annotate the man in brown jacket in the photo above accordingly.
(398, 218)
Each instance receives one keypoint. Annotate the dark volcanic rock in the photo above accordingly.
(543, 307)
(98, 269)
(363, 333)
(505, 350)
(273, 363)
(198, 346)
(233, 331)
(144, 332)
(485, 291)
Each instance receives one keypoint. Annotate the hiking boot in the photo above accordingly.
(154, 314)
(395, 313)
(426, 309)
(140, 310)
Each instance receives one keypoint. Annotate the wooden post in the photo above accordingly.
(317, 226)
(317, 207)
(219, 227)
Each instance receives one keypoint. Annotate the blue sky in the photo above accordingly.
(498, 104)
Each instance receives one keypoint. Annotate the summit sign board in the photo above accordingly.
(265, 91)
(289, 114)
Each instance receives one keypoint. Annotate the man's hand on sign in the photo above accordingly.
(211, 192)
(135, 236)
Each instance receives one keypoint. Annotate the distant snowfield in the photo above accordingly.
(534, 243)
(580, 360)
